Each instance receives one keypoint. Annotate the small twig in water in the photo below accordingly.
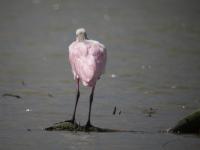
(50, 95)
(11, 95)
(114, 110)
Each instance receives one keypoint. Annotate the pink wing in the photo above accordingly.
(88, 60)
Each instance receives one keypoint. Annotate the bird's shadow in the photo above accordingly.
(68, 126)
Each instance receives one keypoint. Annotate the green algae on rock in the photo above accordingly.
(68, 126)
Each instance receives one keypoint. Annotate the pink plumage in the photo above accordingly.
(88, 60)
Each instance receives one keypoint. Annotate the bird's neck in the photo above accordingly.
(81, 38)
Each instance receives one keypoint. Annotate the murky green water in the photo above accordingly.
(153, 62)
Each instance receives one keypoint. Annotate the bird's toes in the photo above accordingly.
(88, 125)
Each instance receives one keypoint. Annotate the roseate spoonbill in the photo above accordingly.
(87, 59)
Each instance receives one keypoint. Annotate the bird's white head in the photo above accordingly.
(81, 34)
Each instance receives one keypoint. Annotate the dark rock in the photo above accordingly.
(68, 126)
(189, 124)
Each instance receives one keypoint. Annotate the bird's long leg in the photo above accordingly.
(88, 124)
(77, 98)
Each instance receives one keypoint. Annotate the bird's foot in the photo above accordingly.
(88, 125)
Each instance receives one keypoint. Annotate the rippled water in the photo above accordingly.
(153, 62)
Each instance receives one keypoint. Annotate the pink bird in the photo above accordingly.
(88, 60)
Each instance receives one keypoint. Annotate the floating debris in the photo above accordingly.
(113, 75)
(150, 111)
(11, 95)
(28, 110)
(114, 110)
(146, 67)
(50, 95)
(29, 130)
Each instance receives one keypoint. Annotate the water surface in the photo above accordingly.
(153, 55)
